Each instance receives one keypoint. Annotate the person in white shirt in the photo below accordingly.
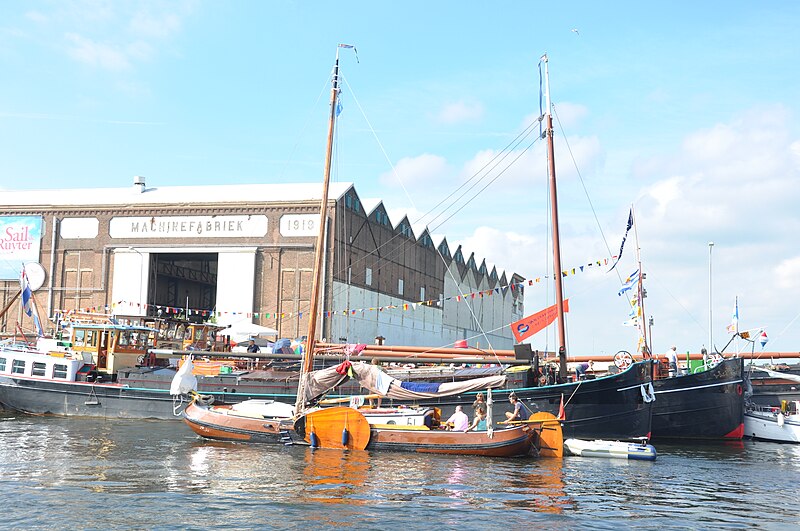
(672, 358)
(459, 420)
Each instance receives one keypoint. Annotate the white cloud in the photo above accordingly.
(93, 53)
(425, 169)
(159, 26)
(460, 112)
(788, 273)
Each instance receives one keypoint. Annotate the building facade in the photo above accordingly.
(245, 253)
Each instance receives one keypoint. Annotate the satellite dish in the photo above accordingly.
(35, 274)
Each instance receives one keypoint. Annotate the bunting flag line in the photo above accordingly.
(627, 229)
(514, 287)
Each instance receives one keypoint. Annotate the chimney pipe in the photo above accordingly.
(138, 183)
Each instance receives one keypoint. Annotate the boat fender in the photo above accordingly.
(345, 436)
(780, 420)
(648, 393)
(313, 439)
(739, 389)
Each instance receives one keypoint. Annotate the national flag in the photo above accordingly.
(734, 326)
(528, 326)
(631, 281)
(627, 229)
(27, 306)
(562, 415)
(763, 338)
(26, 294)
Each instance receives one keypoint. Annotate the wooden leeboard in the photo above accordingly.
(551, 439)
(328, 424)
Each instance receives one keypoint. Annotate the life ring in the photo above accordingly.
(716, 359)
(623, 359)
(739, 389)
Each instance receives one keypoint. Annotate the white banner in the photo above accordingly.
(189, 227)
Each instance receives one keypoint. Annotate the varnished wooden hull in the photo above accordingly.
(212, 422)
(510, 442)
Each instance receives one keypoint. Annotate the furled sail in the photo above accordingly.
(373, 378)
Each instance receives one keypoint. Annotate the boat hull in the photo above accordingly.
(215, 423)
(707, 405)
(610, 407)
(512, 442)
(764, 426)
(611, 449)
(87, 399)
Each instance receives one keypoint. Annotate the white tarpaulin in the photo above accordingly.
(243, 330)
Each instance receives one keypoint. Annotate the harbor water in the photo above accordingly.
(58, 473)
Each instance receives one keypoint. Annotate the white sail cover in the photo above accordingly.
(184, 381)
(377, 381)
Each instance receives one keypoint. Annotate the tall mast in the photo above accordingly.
(640, 291)
(319, 253)
(562, 334)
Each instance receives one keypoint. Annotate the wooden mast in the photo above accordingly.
(562, 335)
(319, 253)
(640, 293)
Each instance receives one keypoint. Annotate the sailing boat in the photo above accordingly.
(617, 406)
(346, 427)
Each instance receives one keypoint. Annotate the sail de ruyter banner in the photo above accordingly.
(528, 326)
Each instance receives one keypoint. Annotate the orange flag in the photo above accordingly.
(528, 326)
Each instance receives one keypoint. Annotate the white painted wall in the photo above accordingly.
(129, 283)
(235, 283)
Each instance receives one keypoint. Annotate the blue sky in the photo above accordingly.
(687, 110)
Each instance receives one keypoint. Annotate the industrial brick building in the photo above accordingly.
(245, 252)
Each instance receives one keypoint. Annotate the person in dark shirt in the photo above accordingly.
(252, 347)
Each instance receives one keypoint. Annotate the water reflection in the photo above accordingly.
(335, 476)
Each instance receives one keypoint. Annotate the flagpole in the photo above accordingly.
(710, 305)
(642, 324)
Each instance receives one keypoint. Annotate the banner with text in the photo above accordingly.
(20, 242)
(528, 326)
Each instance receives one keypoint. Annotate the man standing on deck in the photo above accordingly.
(672, 358)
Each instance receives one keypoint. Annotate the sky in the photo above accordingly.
(684, 111)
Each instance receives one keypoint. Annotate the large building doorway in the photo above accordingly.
(183, 280)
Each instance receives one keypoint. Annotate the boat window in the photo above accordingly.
(79, 339)
(38, 368)
(91, 338)
(2, 364)
(59, 371)
(18, 367)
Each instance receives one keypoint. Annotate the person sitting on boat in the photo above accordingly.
(479, 406)
(458, 420)
(479, 422)
(520, 411)
(672, 358)
(581, 369)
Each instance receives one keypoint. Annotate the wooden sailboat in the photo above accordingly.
(349, 428)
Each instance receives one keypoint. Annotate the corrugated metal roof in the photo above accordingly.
(130, 195)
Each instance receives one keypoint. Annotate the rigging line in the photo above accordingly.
(400, 249)
(521, 153)
(516, 141)
(583, 185)
(488, 173)
(305, 127)
(438, 252)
